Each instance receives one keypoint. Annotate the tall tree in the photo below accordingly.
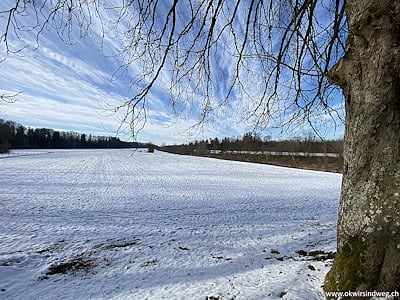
(282, 58)
(369, 221)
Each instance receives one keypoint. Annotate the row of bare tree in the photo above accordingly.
(253, 142)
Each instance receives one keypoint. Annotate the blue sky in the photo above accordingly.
(73, 87)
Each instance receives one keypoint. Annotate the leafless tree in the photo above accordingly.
(273, 59)
(267, 57)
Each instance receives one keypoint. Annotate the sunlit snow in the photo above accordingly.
(118, 224)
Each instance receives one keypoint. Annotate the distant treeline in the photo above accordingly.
(16, 136)
(253, 142)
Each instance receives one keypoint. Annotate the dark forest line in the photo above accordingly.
(306, 153)
(16, 136)
(254, 143)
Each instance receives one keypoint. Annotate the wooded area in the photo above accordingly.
(16, 136)
(305, 153)
(253, 142)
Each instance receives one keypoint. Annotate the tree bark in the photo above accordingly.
(368, 253)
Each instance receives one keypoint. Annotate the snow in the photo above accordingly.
(118, 224)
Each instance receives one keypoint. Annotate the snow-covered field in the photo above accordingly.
(112, 224)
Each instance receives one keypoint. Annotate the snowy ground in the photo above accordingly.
(109, 224)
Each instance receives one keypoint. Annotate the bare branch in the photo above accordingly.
(9, 98)
(263, 57)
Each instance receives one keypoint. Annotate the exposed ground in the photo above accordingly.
(317, 163)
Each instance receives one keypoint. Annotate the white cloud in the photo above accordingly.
(68, 86)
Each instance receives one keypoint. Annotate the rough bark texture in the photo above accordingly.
(368, 256)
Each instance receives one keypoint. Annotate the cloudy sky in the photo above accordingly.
(75, 87)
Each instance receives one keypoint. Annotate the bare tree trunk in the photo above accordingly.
(368, 254)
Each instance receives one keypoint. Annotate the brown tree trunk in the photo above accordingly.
(368, 254)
